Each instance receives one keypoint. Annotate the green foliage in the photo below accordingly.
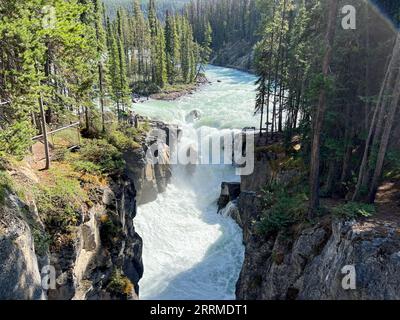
(104, 155)
(353, 210)
(86, 167)
(16, 139)
(5, 185)
(42, 241)
(146, 88)
(282, 209)
(120, 284)
(393, 167)
(110, 231)
(121, 141)
(59, 203)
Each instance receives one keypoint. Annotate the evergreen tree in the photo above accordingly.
(172, 47)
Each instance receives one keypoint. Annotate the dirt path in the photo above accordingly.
(388, 201)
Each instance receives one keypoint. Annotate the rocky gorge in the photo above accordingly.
(312, 259)
(104, 259)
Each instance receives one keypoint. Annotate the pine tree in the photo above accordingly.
(101, 55)
(161, 77)
(321, 109)
(172, 47)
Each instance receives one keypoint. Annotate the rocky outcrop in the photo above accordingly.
(148, 167)
(311, 264)
(102, 249)
(230, 191)
(237, 55)
(106, 241)
(313, 261)
(19, 273)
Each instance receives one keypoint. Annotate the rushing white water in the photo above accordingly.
(190, 251)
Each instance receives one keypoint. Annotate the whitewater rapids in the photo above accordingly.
(190, 251)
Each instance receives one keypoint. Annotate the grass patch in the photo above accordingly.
(59, 200)
(5, 185)
(352, 210)
(66, 138)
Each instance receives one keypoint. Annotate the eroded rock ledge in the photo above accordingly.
(85, 266)
(309, 265)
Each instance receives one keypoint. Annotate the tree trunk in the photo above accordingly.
(379, 110)
(262, 109)
(101, 96)
(385, 139)
(87, 124)
(330, 179)
(320, 112)
(348, 137)
(44, 132)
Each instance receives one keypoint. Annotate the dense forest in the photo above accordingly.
(62, 57)
(162, 6)
(316, 79)
(235, 29)
(333, 87)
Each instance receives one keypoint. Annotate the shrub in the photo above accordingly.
(120, 284)
(393, 167)
(86, 167)
(145, 88)
(5, 185)
(104, 155)
(353, 210)
(110, 231)
(42, 241)
(282, 209)
(122, 141)
(60, 203)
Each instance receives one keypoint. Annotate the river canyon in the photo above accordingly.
(190, 251)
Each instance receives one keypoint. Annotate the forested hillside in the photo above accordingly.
(62, 57)
(331, 87)
(234, 25)
(162, 6)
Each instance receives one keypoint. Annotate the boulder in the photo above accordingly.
(229, 191)
(193, 116)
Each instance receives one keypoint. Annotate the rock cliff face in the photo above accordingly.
(104, 241)
(236, 55)
(84, 268)
(148, 167)
(19, 273)
(308, 263)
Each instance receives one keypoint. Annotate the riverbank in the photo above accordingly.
(173, 92)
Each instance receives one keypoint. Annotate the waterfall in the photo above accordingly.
(190, 251)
